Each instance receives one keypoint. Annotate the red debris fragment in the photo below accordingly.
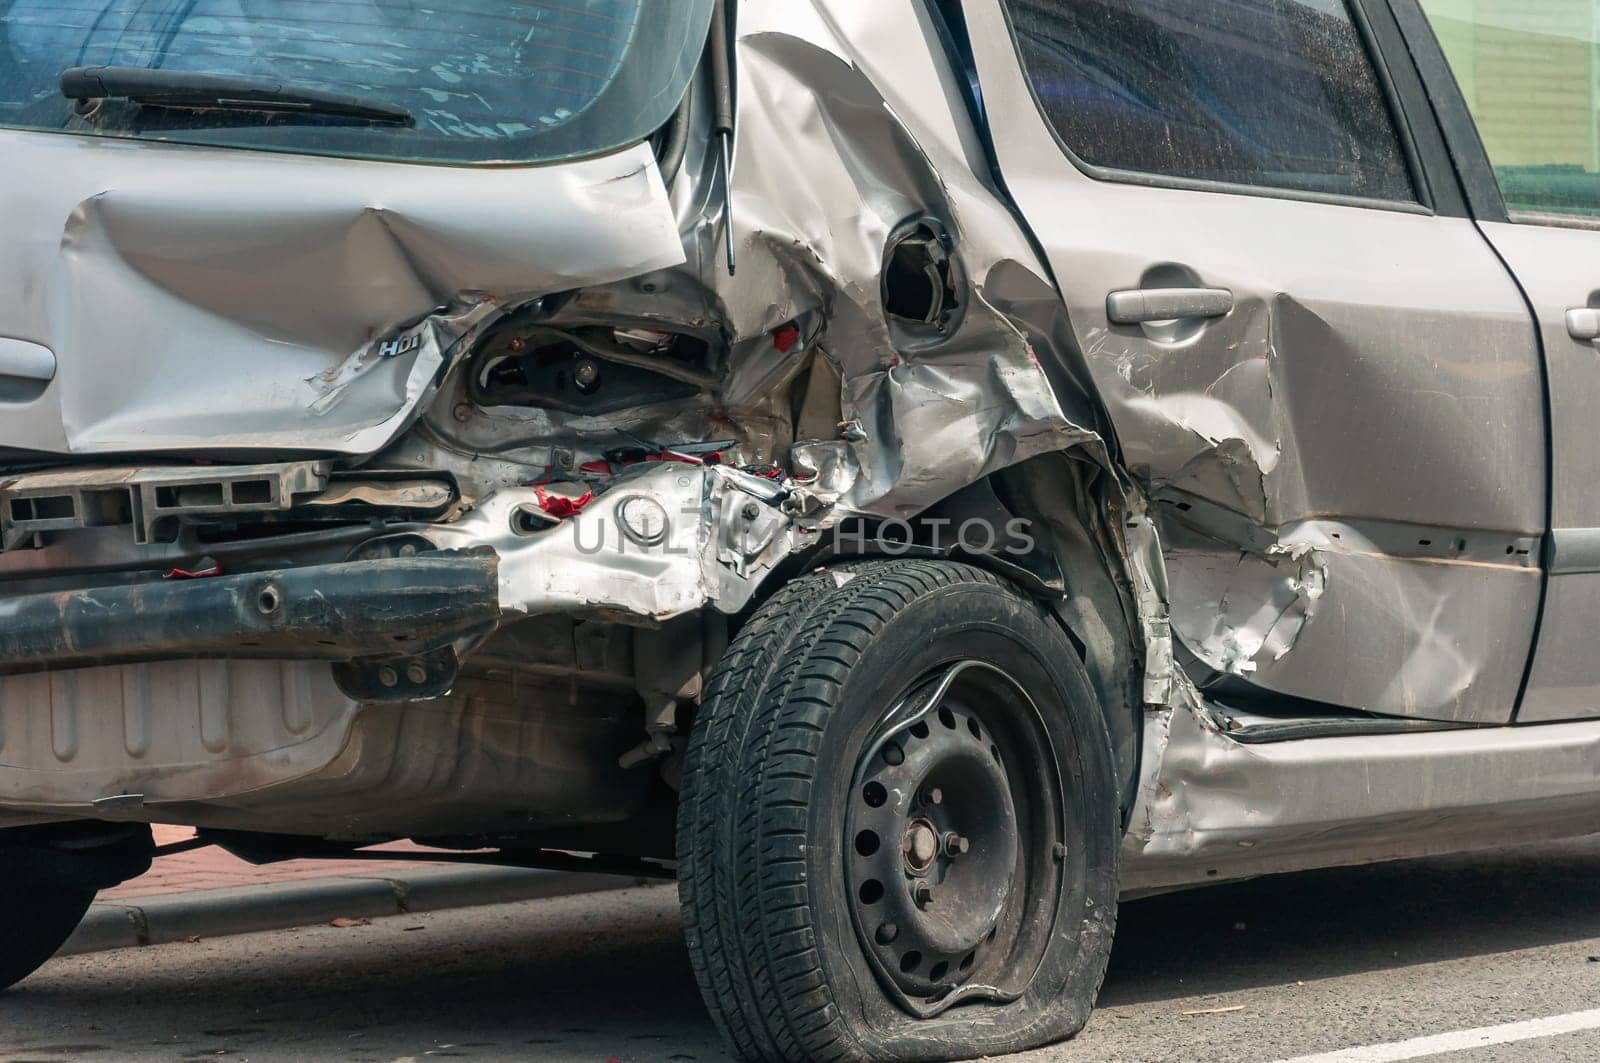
(561, 506)
(785, 337)
(215, 569)
(602, 468)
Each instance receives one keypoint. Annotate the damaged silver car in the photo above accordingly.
(914, 471)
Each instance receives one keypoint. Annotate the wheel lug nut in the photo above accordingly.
(887, 933)
(922, 893)
(955, 844)
(934, 796)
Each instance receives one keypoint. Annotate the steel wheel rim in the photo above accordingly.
(947, 884)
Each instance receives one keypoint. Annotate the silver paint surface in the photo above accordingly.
(201, 299)
(1333, 492)
(1556, 267)
(1214, 809)
(1378, 366)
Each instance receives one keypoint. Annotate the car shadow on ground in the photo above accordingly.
(607, 976)
(1344, 921)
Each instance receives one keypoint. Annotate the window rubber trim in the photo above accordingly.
(1413, 118)
(1467, 155)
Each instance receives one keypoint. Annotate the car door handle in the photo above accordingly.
(1140, 305)
(26, 361)
(1583, 323)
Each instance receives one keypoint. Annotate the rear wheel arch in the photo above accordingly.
(1073, 574)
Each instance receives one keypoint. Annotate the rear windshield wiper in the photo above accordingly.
(222, 92)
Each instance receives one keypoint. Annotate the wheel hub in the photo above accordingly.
(921, 846)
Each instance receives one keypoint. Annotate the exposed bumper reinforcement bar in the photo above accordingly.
(359, 610)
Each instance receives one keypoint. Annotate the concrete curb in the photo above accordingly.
(174, 917)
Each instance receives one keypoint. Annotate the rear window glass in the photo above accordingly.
(1269, 93)
(486, 80)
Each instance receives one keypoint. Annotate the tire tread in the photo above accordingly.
(747, 783)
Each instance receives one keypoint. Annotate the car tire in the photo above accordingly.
(38, 913)
(898, 829)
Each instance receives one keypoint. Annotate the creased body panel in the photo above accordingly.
(1448, 657)
(1366, 383)
(849, 126)
(1377, 364)
(204, 299)
(1377, 371)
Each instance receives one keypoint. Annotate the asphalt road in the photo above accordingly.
(1307, 964)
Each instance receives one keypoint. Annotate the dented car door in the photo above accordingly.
(1316, 366)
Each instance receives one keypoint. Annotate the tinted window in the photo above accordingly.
(487, 80)
(1274, 93)
(1530, 70)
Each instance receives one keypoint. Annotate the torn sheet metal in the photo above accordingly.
(846, 137)
(325, 306)
(1260, 603)
(1276, 497)
(841, 142)
(427, 345)
(1427, 635)
(1246, 604)
(1212, 809)
(199, 300)
(256, 301)
(1252, 448)
(664, 540)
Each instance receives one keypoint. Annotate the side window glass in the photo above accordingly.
(1530, 70)
(1268, 93)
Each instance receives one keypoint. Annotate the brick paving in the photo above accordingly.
(211, 868)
